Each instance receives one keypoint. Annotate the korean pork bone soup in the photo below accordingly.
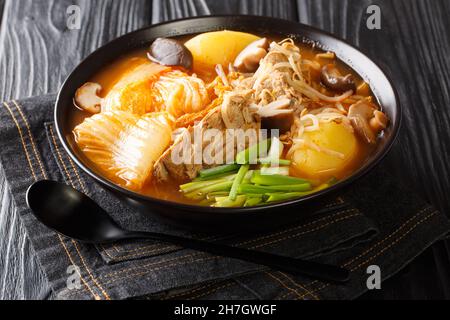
(226, 119)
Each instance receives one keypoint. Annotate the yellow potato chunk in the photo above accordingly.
(338, 148)
(219, 47)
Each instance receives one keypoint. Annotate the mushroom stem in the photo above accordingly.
(379, 121)
(367, 120)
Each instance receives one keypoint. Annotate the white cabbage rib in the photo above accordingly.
(179, 93)
(123, 145)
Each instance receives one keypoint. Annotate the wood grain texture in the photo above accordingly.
(2, 4)
(37, 51)
(16, 258)
(164, 10)
(37, 42)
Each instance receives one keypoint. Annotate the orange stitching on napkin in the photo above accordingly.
(159, 249)
(385, 248)
(35, 179)
(96, 297)
(33, 144)
(115, 276)
(60, 157)
(208, 285)
(283, 297)
(387, 238)
(105, 250)
(22, 140)
(210, 291)
(298, 285)
(283, 284)
(378, 243)
(396, 241)
(141, 251)
(89, 271)
(295, 228)
(83, 187)
(74, 242)
(308, 231)
(125, 270)
(126, 276)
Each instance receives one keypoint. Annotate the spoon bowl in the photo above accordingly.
(69, 212)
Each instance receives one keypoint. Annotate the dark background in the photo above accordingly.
(37, 52)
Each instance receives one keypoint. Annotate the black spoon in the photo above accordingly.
(72, 213)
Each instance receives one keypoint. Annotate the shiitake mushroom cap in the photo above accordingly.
(170, 52)
(332, 79)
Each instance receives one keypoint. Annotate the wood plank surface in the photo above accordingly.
(37, 51)
(40, 51)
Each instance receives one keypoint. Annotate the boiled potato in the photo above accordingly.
(332, 136)
(219, 47)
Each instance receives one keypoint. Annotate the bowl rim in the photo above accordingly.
(361, 172)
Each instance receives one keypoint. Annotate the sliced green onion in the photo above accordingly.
(291, 187)
(196, 185)
(195, 195)
(226, 168)
(215, 177)
(281, 162)
(250, 202)
(252, 153)
(254, 195)
(274, 197)
(291, 195)
(192, 186)
(221, 186)
(251, 188)
(206, 202)
(284, 171)
(227, 203)
(237, 181)
(275, 179)
(275, 152)
(217, 194)
(204, 190)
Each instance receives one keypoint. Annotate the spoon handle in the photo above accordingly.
(290, 265)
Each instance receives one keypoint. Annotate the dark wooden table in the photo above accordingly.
(37, 51)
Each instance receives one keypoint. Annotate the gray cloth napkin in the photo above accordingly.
(376, 222)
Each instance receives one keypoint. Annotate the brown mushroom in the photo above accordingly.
(86, 97)
(248, 59)
(170, 52)
(360, 115)
(335, 81)
(379, 121)
(282, 122)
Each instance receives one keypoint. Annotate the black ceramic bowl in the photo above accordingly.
(205, 216)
